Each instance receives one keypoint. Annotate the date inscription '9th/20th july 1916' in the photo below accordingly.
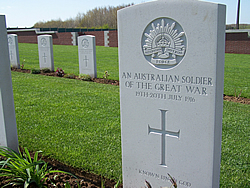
(164, 96)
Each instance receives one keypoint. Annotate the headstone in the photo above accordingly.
(87, 55)
(45, 49)
(13, 50)
(8, 129)
(171, 56)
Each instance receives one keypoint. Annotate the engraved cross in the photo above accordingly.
(11, 55)
(86, 61)
(44, 57)
(163, 132)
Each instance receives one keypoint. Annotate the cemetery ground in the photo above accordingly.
(78, 123)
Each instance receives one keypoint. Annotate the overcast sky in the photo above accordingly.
(25, 13)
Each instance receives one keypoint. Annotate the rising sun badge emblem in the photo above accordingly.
(164, 43)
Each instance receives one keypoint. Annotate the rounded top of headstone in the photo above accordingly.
(164, 43)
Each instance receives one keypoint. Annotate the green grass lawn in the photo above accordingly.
(235, 151)
(78, 122)
(237, 75)
(73, 121)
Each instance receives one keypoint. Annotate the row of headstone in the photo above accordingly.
(171, 58)
(86, 53)
(9, 54)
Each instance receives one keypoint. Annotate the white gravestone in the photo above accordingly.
(45, 49)
(87, 55)
(13, 50)
(171, 58)
(8, 129)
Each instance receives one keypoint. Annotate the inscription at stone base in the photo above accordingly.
(162, 177)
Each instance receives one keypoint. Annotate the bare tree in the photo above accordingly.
(101, 17)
